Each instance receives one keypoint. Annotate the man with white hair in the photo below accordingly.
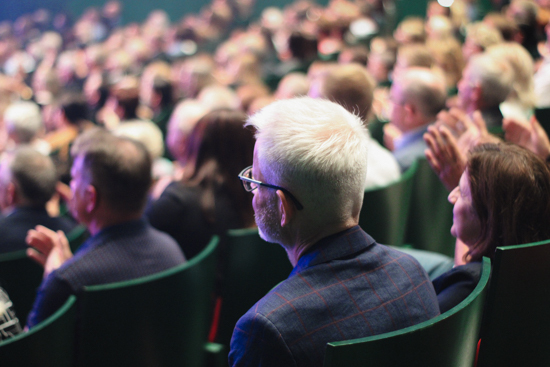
(308, 177)
(23, 123)
(486, 83)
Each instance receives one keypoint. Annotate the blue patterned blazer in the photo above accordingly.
(346, 286)
(122, 252)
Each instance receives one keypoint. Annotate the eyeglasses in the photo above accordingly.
(250, 184)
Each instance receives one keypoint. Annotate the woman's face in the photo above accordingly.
(466, 225)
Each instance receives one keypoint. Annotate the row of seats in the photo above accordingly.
(162, 320)
(159, 320)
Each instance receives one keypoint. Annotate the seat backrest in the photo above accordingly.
(48, 344)
(430, 214)
(158, 320)
(385, 209)
(251, 268)
(448, 340)
(516, 322)
(20, 277)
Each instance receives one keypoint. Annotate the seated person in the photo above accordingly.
(352, 87)
(502, 200)
(27, 183)
(308, 178)
(111, 177)
(208, 200)
(417, 97)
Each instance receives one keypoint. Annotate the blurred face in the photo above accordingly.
(465, 90)
(466, 225)
(264, 203)
(397, 100)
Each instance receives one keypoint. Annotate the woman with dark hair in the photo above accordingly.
(209, 199)
(503, 199)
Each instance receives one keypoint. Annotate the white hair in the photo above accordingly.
(523, 69)
(186, 115)
(214, 97)
(317, 150)
(23, 121)
(494, 76)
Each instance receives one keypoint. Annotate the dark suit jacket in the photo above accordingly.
(122, 252)
(346, 286)
(455, 285)
(14, 227)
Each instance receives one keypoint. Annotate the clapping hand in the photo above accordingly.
(48, 248)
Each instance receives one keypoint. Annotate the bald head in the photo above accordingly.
(183, 120)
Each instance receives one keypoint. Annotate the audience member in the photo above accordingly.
(72, 118)
(488, 214)
(181, 123)
(292, 85)
(352, 87)
(417, 98)
(522, 99)
(486, 83)
(27, 182)
(110, 180)
(156, 93)
(23, 123)
(208, 200)
(308, 177)
(479, 36)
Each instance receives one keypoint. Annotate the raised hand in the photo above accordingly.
(48, 248)
(444, 155)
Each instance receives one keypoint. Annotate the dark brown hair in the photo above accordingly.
(218, 148)
(119, 168)
(510, 188)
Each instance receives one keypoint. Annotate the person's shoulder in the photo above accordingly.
(177, 191)
(470, 272)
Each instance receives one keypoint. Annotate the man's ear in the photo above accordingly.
(91, 198)
(286, 208)
(410, 111)
(476, 93)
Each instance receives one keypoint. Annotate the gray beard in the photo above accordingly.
(268, 222)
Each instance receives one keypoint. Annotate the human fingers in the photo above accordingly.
(430, 139)
(43, 242)
(64, 244)
(432, 160)
(451, 147)
(36, 256)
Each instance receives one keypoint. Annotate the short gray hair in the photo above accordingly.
(424, 88)
(33, 175)
(494, 75)
(316, 149)
(23, 120)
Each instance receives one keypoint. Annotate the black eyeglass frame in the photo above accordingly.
(249, 188)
